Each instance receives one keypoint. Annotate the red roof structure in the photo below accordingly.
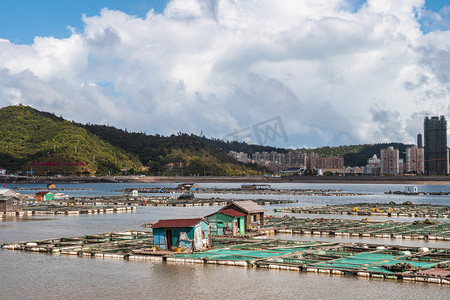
(42, 193)
(232, 213)
(176, 223)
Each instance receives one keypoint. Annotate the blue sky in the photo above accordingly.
(329, 72)
(22, 20)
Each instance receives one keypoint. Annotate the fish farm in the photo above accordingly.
(418, 264)
(152, 201)
(406, 209)
(260, 191)
(421, 230)
(67, 209)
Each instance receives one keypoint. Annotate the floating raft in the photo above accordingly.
(113, 245)
(418, 193)
(153, 201)
(375, 209)
(310, 192)
(423, 230)
(364, 260)
(68, 210)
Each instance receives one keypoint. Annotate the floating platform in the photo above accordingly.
(153, 201)
(375, 209)
(305, 192)
(364, 260)
(422, 230)
(418, 193)
(50, 209)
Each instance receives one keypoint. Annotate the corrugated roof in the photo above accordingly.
(4, 191)
(247, 205)
(175, 223)
(232, 213)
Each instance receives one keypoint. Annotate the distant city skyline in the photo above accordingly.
(330, 73)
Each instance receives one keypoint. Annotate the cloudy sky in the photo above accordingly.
(315, 72)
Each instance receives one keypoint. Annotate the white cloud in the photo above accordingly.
(333, 75)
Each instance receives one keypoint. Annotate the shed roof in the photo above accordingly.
(246, 205)
(6, 198)
(6, 191)
(175, 223)
(231, 212)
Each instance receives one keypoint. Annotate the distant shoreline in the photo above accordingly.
(405, 180)
(306, 179)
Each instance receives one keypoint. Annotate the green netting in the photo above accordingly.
(232, 254)
(417, 264)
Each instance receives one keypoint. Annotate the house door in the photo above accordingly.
(235, 228)
(168, 239)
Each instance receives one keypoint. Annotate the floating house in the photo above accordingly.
(45, 196)
(51, 186)
(194, 234)
(9, 203)
(255, 186)
(254, 214)
(227, 222)
(411, 189)
(130, 192)
(188, 186)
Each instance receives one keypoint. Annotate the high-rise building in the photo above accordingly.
(389, 161)
(436, 151)
(373, 166)
(414, 160)
(419, 140)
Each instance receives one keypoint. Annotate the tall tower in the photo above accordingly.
(419, 141)
(436, 151)
(390, 164)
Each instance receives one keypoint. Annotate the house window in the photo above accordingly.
(183, 236)
(254, 218)
(14, 202)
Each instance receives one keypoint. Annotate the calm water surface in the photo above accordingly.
(41, 276)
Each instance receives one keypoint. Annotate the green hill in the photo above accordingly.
(31, 140)
(41, 142)
(181, 154)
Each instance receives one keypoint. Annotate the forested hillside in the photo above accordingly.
(42, 143)
(180, 154)
(45, 144)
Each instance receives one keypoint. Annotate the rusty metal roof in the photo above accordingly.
(231, 212)
(175, 223)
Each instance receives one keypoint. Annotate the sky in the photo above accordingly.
(291, 73)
